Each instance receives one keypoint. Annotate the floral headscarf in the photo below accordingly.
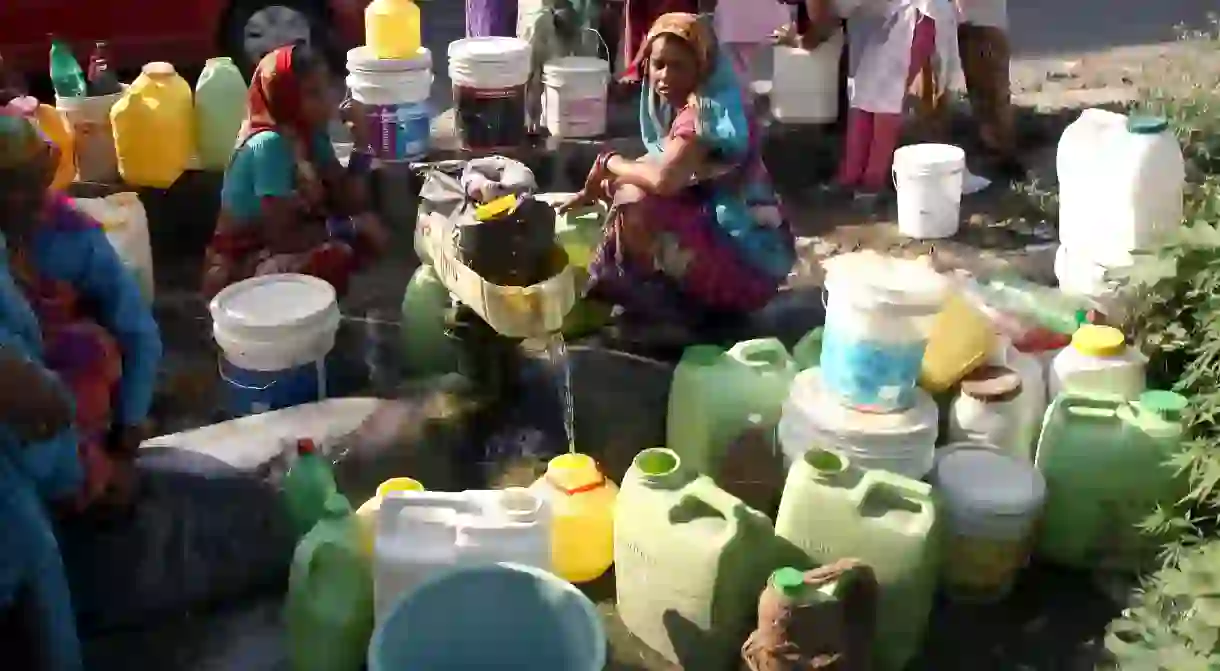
(274, 103)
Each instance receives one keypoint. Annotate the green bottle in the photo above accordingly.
(308, 485)
(329, 609)
(66, 74)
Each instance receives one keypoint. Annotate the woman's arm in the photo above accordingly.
(124, 311)
(347, 188)
(682, 159)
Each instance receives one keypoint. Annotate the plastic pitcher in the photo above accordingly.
(690, 561)
(832, 510)
(153, 126)
(329, 608)
(715, 392)
(582, 503)
(425, 348)
(220, 108)
(366, 516)
(309, 484)
(495, 616)
(391, 28)
(1096, 497)
(961, 339)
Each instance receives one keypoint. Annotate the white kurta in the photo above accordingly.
(880, 79)
(990, 13)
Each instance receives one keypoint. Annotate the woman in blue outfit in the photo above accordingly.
(92, 536)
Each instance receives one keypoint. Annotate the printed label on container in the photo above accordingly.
(399, 132)
(869, 375)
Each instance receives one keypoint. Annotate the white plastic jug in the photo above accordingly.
(805, 83)
(125, 221)
(928, 179)
(1120, 184)
(421, 532)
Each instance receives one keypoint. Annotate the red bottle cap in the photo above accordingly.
(306, 446)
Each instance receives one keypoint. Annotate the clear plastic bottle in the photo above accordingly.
(66, 75)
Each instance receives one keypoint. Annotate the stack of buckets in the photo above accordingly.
(864, 400)
(394, 93)
(392, 77)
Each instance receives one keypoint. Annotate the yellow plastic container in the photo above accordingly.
(961, 339)
(391, 28)
(55, 127)
(582, 502)
(366, 516)
(153, 125)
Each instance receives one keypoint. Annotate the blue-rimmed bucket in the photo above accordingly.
(275, 332)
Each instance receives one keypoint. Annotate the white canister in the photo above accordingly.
(1098, 361)
(575, 99)
(991, 502)
(990, 409)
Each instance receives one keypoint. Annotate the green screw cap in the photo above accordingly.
(789, 581)
(1167, 405)
(1147, 125)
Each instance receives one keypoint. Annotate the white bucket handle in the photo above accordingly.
(220, 370)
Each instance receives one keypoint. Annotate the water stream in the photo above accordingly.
(557, 353)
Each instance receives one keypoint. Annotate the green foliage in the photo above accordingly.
(1173, 623)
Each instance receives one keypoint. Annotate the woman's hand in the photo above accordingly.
(374, 233)
(595, 189)
(352, 114)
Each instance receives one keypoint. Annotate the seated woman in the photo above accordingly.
(695, 230)
(287, 206)
(88, 538)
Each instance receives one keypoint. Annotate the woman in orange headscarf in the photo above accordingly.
(287, 205)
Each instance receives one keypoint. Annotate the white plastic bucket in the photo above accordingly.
(394, 93)
(991, 501)
(899, 442)
(275, 332)
(805, 83)
(879, 314)
(928, 178)
(89, 117)
(489, 76)
(575, 97)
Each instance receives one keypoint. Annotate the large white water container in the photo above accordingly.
(928, 180)
(805, 83)
(575, 99)
(879, 313)
(1120, 184)
(1098, 362)
(275, 332)
(899, 442)
(419, 533)
(991, 408)
(125, 221)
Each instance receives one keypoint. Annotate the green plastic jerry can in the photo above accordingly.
(833, 510)
(690, 561)
(329, 609)
(715, 393)
(426, 350)
(1105, 460)
(220, 108)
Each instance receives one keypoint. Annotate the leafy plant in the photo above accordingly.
(1173, 622)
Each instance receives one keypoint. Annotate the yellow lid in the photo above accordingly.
(1098, 340)
(399, 485)
(495, 208)
(574, 473)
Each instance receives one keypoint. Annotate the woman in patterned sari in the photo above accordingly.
(696, 231)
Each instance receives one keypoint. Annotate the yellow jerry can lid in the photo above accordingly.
(1098, 340)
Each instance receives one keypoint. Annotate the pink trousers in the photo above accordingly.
(872, 137)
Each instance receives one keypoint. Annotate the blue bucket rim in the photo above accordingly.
(586, 603)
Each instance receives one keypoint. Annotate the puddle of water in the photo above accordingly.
(557, 353)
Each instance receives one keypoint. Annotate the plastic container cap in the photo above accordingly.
(1097, 340)
(1147, 125)
(306, 446)
(574, 473)
(992, 384)
(1166, 405)
(788, 581)
(158, 69)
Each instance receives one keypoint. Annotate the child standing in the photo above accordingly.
(744, 28)
(915, 33)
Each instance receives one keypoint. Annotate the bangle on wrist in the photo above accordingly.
(342, 228)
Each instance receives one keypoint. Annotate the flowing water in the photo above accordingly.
(557, 353)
